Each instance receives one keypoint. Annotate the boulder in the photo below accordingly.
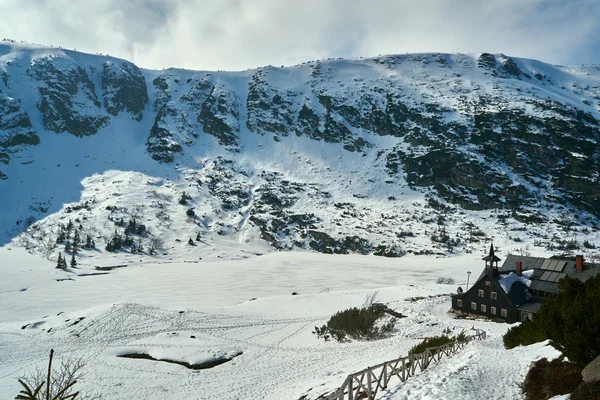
(591, 373)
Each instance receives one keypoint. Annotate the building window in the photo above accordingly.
(493, 310)
(494, 296)
(483, 308)
(473, 306)
(487, 283)
(480, 293)
(459, 303)
(503, 312)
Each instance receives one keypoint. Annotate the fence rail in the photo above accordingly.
(367, 383)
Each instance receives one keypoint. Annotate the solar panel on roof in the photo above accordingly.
(545, 276)
(545, 264)
(552, 276)
(560, 276)
(561, 266)
(552, 265)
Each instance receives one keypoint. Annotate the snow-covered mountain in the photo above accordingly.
(420, 153)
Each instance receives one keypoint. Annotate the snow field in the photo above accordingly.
(157, 308)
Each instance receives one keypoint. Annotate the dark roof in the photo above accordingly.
(531, 305)
(548, 271)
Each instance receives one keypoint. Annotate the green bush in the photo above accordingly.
(587, 391)
(523, 335)
(436, 341)
(547, 379)
(571, 321)
(367, 323)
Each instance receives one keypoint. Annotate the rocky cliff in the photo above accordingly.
(386, 155)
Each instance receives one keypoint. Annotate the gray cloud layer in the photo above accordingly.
(239, 34)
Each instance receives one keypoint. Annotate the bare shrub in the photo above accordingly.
(62, 381)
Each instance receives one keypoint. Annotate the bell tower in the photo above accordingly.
(491, 262)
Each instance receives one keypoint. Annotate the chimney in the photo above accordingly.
(579, 263)
(519, 268)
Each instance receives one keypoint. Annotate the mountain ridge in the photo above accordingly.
(270, 154)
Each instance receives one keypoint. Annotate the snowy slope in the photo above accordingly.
(421, 153)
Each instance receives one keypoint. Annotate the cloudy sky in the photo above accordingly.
(240, 34)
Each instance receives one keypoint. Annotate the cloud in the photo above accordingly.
(239, 34)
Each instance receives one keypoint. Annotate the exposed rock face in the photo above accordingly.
(15, 126)
(219, 115)
(591, 373)
(16, 131)
(124, 89)
(68, 98)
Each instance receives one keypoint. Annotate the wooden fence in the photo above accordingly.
(368, 382)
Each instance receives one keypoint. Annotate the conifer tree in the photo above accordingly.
(76, 242)
(61, 236)
(198, 237)
(61, 263)
(89, 242)
(73, 261)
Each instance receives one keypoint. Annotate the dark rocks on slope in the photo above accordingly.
(124, 89)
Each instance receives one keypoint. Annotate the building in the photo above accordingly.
(517, 289)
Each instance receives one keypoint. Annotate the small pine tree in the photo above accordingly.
(61, 236)
(89, 242)
(191, 242)
(184, 199)
(61, 263)
(76, 242)
(73, 261)
(115, 242)
(198, 237)
(128, 241)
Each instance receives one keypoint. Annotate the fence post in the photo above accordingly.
(369, 391)
(350, 387)
(403, 370)
(386, 378)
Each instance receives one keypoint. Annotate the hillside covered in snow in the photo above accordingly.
(419, 153)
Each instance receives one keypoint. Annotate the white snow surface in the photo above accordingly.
(506, 281)
(203, 310)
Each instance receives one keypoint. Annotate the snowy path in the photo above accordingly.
(482, 370)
